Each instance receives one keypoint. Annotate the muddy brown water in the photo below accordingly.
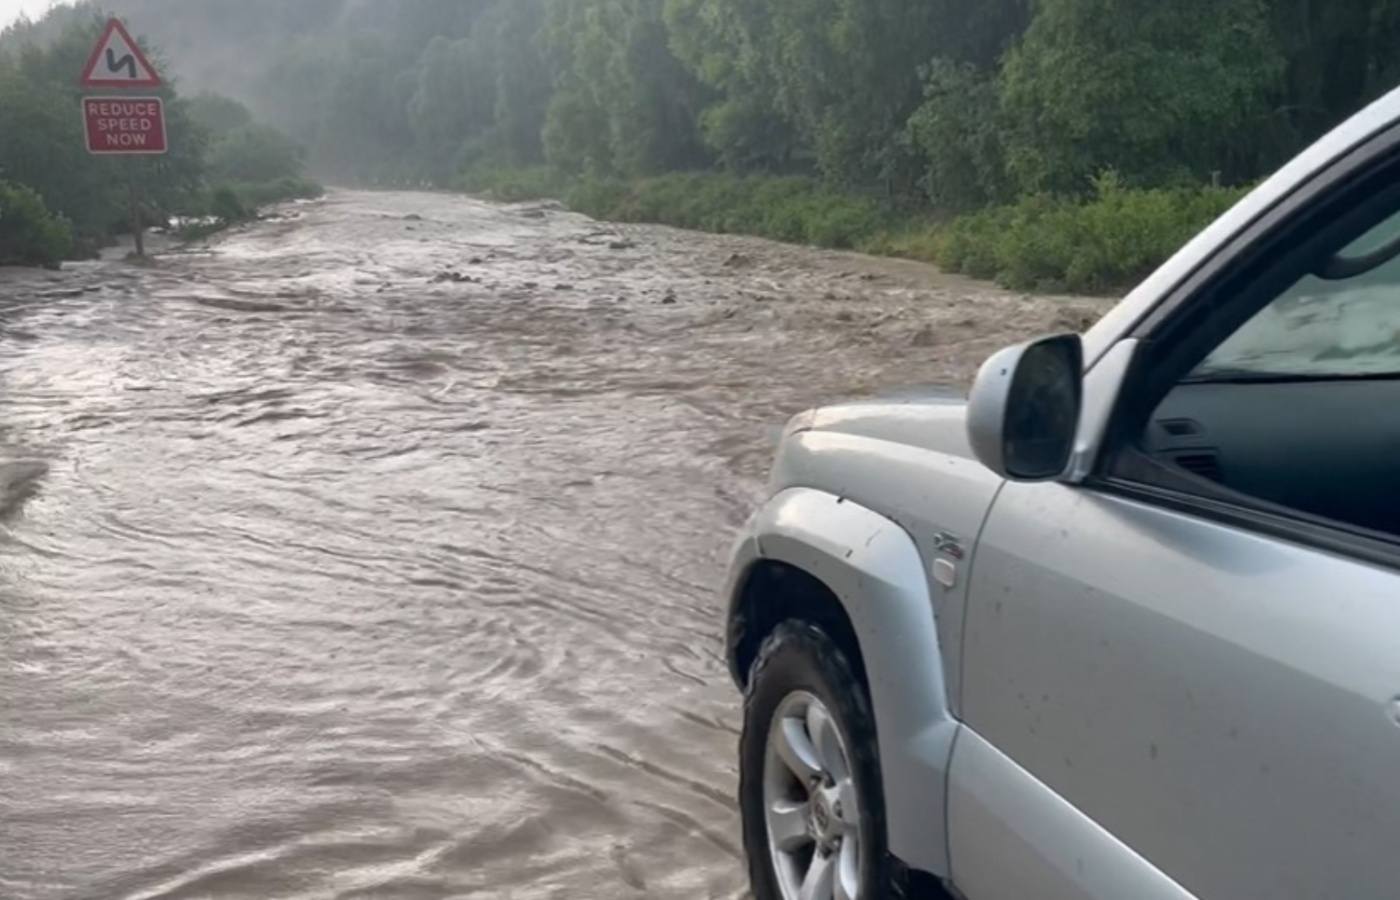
(373, 551)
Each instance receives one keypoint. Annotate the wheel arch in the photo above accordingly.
(811, 555)
(768, 593)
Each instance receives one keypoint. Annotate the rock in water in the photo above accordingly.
(926, 337)
(19, 480)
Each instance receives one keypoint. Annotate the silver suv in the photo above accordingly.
(1126, 624)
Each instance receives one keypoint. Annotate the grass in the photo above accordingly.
(265, 193)
(513, 185)
(1095, 244)
(794, 209)
(1106, 242)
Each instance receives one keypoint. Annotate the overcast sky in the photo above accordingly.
(10, 9)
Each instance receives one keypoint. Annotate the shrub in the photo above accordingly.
(598, 197)
(29, 233)
(513, 185)
(1111, 240)
(800, 210)
(225, 206)
(257, 194)
(254, 153)
(957, 133)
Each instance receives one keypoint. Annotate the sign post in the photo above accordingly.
(123, 125)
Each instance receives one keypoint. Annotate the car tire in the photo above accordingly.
(801, 677)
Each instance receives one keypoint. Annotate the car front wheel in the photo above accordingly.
(810, 775)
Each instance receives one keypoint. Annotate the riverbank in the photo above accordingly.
(1098, 244)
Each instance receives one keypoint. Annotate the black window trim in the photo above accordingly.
(1220, 505)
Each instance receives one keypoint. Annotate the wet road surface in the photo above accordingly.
(374, 551)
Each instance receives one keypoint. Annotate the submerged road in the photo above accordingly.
(373, 550)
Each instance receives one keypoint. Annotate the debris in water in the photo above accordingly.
(447, 275)
(621, 245)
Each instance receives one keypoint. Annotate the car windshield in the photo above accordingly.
(1320, 328)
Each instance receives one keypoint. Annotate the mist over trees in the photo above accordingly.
(945, 106)
(57, 200)
(954, 102)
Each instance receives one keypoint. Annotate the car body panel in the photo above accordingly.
(1221, 701)
(1013, 838)
(1153, 703)
(911, 461)
(875, 571)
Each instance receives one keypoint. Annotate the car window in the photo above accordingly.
(1294, 407)
(1321, 327)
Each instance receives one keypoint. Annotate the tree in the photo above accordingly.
(216, 114)
(1158, 92)
(623, 102)
(29, 233)
(254, 153)
(524, 80)
(957, 134)
(725, 44)
(453, 101)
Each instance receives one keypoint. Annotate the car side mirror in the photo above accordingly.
(1023, 413)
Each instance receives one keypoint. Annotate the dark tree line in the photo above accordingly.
(963, 101)
(953, 104)
(58, 200)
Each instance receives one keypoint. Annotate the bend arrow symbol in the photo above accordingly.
(117, 61)
(115, 65)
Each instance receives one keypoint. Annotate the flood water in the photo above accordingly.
(373, 551)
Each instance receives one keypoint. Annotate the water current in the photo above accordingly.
(374, 550)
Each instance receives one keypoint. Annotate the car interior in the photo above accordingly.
(1297, 407)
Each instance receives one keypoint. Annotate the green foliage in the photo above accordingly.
(218, 115)
(513, 185)
(29, 233)
(225, 206)
(212, 139)
(1162, 92)
(790, 209)
(811, 108)
(957, 133)
(254, 153)
(288, 187)
(1110, 240)
(623, 102)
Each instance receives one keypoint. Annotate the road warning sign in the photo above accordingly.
(117, 62)
(124, 125)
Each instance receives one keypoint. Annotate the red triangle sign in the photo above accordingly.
(117, 61)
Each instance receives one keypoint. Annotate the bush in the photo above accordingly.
(513, 185)
(29, 233)
(256, 194)
(254, 153)
(799, 210)
(957, 134)
(1112, 240)
(225, 206)
(597, 197)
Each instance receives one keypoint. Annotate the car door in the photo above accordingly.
(1188, 666)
